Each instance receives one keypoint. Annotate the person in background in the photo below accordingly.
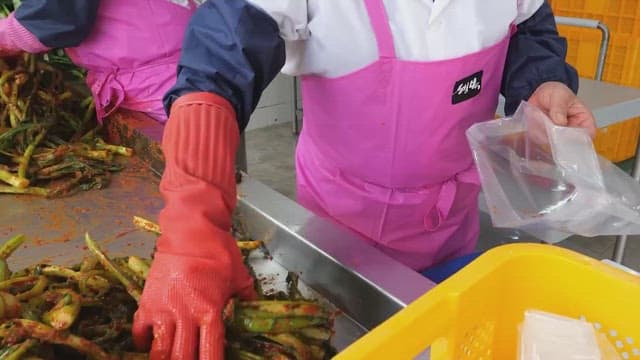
(129, 48)
(389, 89)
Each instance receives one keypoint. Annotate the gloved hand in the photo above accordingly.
(15, 38)
(197, 266)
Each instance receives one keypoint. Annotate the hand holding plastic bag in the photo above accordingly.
(548, 180)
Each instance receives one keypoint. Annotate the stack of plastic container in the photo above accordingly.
(622, 17)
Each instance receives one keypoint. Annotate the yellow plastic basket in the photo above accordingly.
(475, 314)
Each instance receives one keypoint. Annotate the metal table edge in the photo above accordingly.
(394, 279)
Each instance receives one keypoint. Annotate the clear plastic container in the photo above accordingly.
(546, 336)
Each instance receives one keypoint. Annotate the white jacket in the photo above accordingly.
(334, 37)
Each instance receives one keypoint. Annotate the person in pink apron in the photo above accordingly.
(129, 48)
(389, 89)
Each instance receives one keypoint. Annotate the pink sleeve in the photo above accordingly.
(15, 37)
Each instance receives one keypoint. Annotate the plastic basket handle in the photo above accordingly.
(591, 24)
(621, 267)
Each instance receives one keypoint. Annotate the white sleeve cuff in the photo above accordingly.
(526, 9)
(291, 16)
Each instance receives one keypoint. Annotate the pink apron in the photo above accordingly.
(383, 150)
(132, 54)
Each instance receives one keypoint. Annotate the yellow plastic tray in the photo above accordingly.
(475, 314)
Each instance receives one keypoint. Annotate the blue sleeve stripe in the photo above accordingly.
(232, 49)
(58, 23)
(536, 55)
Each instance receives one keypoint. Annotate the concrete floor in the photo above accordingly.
(270, 158)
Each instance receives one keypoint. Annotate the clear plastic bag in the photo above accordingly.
(548, 180)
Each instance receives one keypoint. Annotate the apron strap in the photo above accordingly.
(381, 28)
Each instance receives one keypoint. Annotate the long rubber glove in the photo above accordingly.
(197, 266)
(15, 38)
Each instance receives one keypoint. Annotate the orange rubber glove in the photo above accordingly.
(197, 266)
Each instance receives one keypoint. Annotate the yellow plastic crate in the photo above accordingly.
(621, 16)
(583, 47)
(475, 314)
(617, 142)
(623, 60)
(623, 55)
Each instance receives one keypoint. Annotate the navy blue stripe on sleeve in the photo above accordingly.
(536, 55)
(232, 49)
(58, 23)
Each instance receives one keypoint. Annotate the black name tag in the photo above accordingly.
(467, 88)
